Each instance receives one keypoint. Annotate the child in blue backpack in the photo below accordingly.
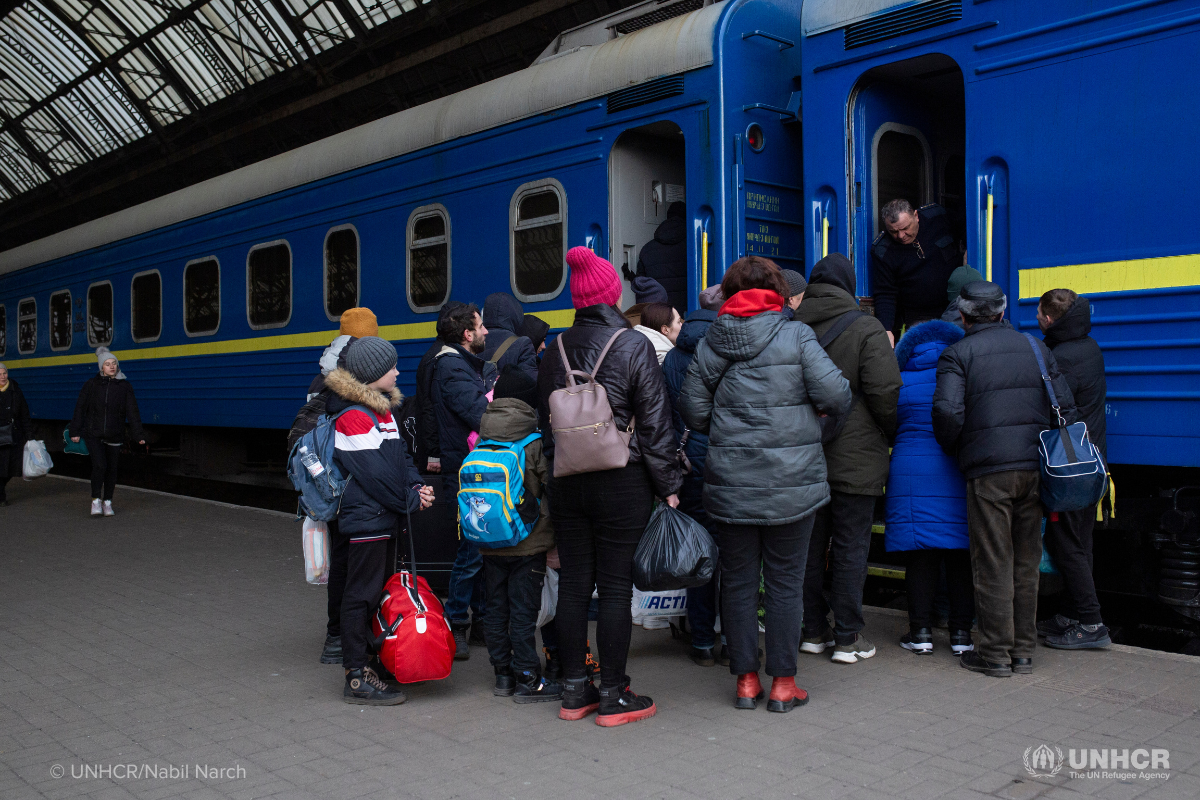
(513, 576)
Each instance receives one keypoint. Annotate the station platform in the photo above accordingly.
(172, 651)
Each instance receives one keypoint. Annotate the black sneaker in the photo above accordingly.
(579, 698)
(332, 652)
(553, 669)
(533, 688)
(918, 640)
(1055, 626)
(477, 636)
(1022, 666)
(976, 663)
(1081, 637)
(462, 649)
(704, 657)
(506, 682)
(960, 642)
(618, 706)
(365, 688)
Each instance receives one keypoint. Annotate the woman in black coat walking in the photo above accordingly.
(104, 403)
(15, 428)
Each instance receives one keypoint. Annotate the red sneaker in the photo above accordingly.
(785, 695)
(749, 691)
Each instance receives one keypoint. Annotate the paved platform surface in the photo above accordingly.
(181, 634)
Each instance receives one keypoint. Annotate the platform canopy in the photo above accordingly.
(81, 78)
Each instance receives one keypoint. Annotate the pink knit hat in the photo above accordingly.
(593, 280)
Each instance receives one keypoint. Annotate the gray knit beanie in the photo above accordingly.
(370, 358)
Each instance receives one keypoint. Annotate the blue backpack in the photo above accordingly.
(321, 494)
(491, 494)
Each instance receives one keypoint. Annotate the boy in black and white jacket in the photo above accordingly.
(382, 488)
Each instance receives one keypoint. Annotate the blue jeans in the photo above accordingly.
(466, 589)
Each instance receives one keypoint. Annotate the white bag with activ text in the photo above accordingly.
(315, 538)
(549, 597)
(36, 462)
(671, 603)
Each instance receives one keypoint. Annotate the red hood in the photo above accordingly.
(749, 302)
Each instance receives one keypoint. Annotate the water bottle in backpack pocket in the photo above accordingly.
(493, 510)
(313, 470)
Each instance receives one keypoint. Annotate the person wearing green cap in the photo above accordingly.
(958, 279)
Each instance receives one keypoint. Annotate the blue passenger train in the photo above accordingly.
(1057, 135)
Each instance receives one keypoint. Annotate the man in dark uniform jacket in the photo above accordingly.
(912, 259)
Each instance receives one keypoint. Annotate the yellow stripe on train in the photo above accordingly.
(1113, 276)
(562, 318)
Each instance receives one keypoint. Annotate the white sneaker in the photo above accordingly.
(655, 623)
(108, 512)
(858, 650)
(96, 508)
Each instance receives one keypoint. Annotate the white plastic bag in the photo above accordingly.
(316, 551)
(549, 598)
(671, 603)
(37, 461)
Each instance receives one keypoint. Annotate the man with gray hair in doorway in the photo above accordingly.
(988, 408)
(912, 259)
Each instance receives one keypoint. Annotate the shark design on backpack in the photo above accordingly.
(493, 510)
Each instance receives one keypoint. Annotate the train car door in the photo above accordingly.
(907, 128)
(646, 177)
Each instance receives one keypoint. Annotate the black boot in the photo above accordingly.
(533, 688)
(579, 698)
(619, 705)
(364, 688)
(477, 634)
(332, 653)
(506, 682)
(704, 656)
(462, 650)
(553, 669)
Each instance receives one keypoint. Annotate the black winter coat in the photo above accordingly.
(675, 368)
(103, 406)
(633, 381)
(752, 388)
(990, 402)
(428, 443)
(461, 381)
(15, 411)
(910, 279)
(1082, 364)
(664, 258)
(503, 318)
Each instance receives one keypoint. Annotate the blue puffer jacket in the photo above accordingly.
(675, 368)
(926, 494)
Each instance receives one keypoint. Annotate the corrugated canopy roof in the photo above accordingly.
(80, 78)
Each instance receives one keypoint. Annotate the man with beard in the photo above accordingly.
(461, 380)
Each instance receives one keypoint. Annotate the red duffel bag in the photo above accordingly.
(411, 633)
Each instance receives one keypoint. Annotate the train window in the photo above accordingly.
(100, 314)
(201, 297)
(269, 285)
(60, 320)
(539, 222)
(428, 257)
(145, 303)
(27, 326)
(3, 331)
(341, 271)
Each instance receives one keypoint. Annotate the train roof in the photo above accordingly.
(819, 16)
(671, 47)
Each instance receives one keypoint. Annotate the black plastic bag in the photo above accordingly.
(675, 553)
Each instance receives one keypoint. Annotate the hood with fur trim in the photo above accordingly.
(355, 392)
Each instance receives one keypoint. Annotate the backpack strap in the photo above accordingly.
(501, 350)
(1062, 424)
(571, 373)
(361, 408)
(839, 327)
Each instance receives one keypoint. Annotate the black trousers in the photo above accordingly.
(778, 553)
(1069, 542)
(366, 568)
(10, 464)
(921, 582)
(104, 467)
(599, 518)
(842, 529)
(339, 555)
(514, 597)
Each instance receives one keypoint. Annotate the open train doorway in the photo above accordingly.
(908, 124)
(647, 203)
